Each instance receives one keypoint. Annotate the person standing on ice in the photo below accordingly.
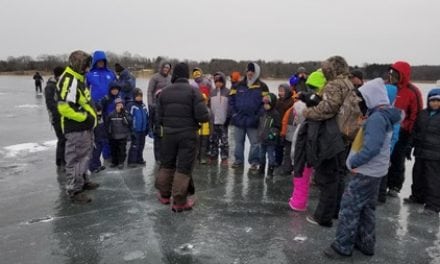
(38, 82)
(410, 101)
(181, 109)
(246, 106)
(78, 118)
(368, 161)
(54, 117)
(98, 80)
(158, 81)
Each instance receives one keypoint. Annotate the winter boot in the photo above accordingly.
(80, 198)
(164, 182)
(90, 186)
(181, 187)
(185, 207)
(298, 201)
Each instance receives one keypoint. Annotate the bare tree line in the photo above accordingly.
(271, 69)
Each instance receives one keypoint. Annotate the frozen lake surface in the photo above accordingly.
(238, 218)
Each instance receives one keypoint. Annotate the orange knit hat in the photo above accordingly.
(235, 76)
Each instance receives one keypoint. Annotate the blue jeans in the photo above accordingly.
(271, 155)
(240, 137)
(357, 216)
(135, 154)
(95, 161)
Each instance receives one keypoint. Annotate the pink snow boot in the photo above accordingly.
(300, 194)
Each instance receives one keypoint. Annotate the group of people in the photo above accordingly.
(327, 125)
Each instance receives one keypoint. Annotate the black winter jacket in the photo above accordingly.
(50, 92)
(317, 141)
(119, 125)
(426, 136)
(181, 108)
(269, 127)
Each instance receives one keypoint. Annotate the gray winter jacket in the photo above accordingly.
(157, 82)
(219, 101)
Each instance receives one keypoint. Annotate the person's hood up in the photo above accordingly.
(392, 92)
(287, 90)
(317, 79)
(256, 69)
(162, 64)
(181, 71)
(434, 93)
(404, 70)
(97, 56)
(222, 76)
(113, 84)
(334, 67)
(374, 93)
(79, 61)
(270, 98)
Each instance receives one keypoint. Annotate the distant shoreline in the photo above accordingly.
(138, 74)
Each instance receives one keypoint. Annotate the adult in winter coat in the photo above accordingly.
(368, 160)
(100, 76)
(180, 110)
(246, 106)
(78, 118)
(330, 174)
(50, 94)
(158, 81)
(410, 101)
(425, 139)
(38, 79)
(127, 82)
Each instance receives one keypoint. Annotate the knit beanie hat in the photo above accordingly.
(434, 94)
(271, 99)
(197, 73)
(293, 80)
(119, 101)
(180, 71)
(235, 76)
(317, 80)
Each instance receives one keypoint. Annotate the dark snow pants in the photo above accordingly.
(135, 154)
(357, 216)
(426, 183)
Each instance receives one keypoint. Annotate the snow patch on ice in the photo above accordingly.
(29, 106)
(300, 238)
(25, 148)
(134, 255)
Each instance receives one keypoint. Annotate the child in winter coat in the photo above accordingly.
(101, 140)
(204, 134)
(425, 188)
(368, 161)
(219, 104)
(300, 193)
(139, 112)
(269, 134)
(119, 124)
(284, 103)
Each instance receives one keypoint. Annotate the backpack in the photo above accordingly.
(349, 118)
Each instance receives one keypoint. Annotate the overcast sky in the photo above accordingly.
(288, 30)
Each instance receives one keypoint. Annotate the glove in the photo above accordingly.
(408, 152)
(150, 133)
(90, 120)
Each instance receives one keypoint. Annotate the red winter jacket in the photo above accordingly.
(409, 98)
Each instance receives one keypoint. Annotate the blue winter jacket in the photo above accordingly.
(246, 103)
(371, 149)
(139, 112)
(98, 79)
